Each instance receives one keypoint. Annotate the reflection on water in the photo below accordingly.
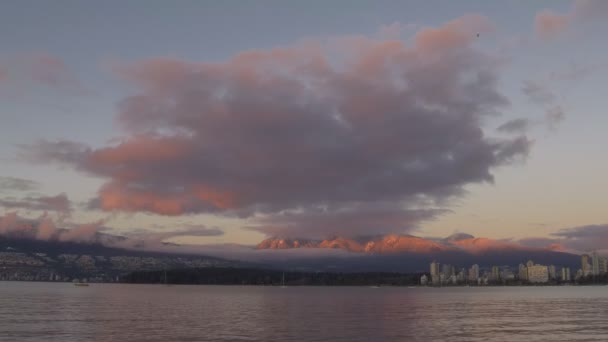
(106, 312)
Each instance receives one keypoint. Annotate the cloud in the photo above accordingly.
(44, 228)
(21, 73)
(549, 24)
(59, 203)
(17, 184)
(342, 124)
(585, 238)
(352, 220)
(541, 95)
(519, 125)
(147, 236)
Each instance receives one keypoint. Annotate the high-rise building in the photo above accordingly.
(523, 272)
(566, 274)
(424, 280)
(585, 264)
(495, 273)
(538, 274)
(603, 265)
(434, 268)
(552, 272)
(435, 275)
(474, 273)
(595, 268)
(447, 270)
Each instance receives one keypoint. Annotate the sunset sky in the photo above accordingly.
(232, 121)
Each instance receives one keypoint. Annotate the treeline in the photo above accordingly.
(590, 279)
(251, 276)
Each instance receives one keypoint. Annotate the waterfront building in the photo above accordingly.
(603, 265)
(507, 275)
(538, 274)
(566, 274)
(435, 278)
(447, 270)
(495, 276)
(552, 272)
(434, 268)
(424, 280)
(474, 273)
(523, 272)
(585, 267)
(595, 264)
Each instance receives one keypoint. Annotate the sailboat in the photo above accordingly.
(283, 281)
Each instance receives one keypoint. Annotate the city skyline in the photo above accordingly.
(528, 273)
(371, 120)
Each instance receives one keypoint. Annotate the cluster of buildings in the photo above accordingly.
(444, 274)
(38, 266)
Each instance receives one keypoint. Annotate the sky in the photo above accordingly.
(231, 121)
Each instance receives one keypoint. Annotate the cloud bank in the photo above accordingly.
(345, 136)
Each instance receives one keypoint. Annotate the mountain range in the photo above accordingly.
(393, 244)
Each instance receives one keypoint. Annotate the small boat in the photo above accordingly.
(283, 281)
(81, 284)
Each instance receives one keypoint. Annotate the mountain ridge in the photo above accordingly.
(394, 244)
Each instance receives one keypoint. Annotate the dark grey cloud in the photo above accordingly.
(17, 184)
(581, 239)
(585, 238)
(356, 219)
(58, 203)
(345, 126)
(519, 125)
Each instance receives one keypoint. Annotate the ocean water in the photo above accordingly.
(117, 312)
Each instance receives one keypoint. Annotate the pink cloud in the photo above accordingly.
(317, 129)
(549, 24)
(45, 228)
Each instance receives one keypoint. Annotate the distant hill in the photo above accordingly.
(30, 259)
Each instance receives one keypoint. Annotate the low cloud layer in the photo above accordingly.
(45, 228)
(583, 239)
(340, 136)
(59, 203)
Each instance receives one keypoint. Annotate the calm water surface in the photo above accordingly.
(112, 312)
